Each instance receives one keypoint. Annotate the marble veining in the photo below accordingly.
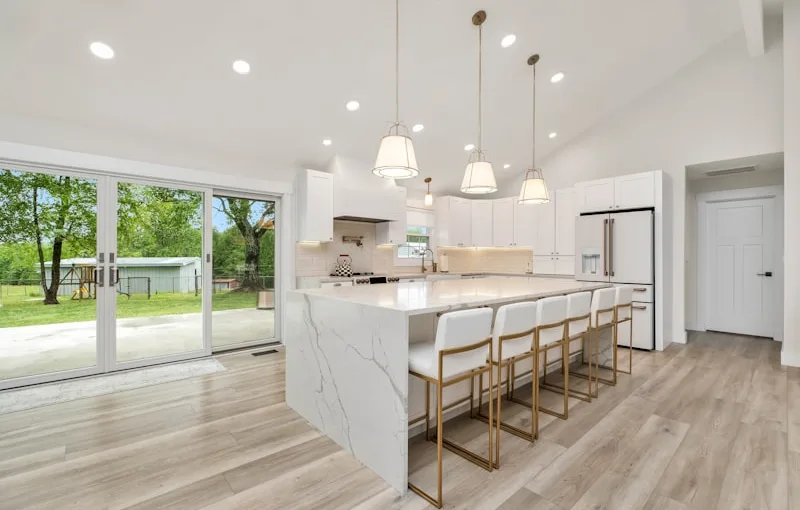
(54, 393)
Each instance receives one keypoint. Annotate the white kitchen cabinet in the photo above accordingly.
(391, 232)
(503, 222)
(314, 206)
(565, 222)
(564, 264)
(453, 221)
(524, 224)
(482, 222)
(545, 243)
(634, 191)
(596, 195)
(544, 264)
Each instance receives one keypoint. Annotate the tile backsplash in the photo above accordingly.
(318, 259)
(491, 260)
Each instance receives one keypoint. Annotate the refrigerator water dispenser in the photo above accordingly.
(590, 261)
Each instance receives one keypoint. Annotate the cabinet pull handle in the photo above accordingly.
(640, 289)
(635, 307)
(605, 247)
(611, 247)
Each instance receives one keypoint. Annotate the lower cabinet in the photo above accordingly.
(642, 328)
(565, 265)
(554, 264)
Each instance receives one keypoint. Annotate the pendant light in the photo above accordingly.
(534, 189)
(479, 174)
(396, 158)
(428, 196)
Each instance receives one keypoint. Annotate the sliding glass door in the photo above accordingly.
(48, 293)
(243, 280)
(99, 274)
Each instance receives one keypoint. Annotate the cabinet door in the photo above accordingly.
(565, 222)
(564, 265)
(596, 195)
(544, 265)
(525, 224)
(316, 206)
(503, 222)
(390, 232)
(481, 222)
(633, 191)
(545, 229)
(460, 222)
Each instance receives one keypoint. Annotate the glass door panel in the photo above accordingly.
(157, 274)
(243, 277)
(48, 289)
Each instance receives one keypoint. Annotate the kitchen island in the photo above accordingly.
(347, 356)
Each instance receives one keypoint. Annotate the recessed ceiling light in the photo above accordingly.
(352, 106)
(508, 40)
(101, 50)
(417, 128)
(469, 147)
(326, 142)
(506, 166)
(241, 67)
(553, 134)
(557, 77)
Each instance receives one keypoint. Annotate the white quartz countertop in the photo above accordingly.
(442, 295)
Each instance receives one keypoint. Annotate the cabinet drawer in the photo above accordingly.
(642, 328)
(643, 293)
(347, 283)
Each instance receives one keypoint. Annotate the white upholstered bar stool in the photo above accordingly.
(578, 320)
(623, 313)
(461, 350)
(551, 333)
(602, 318)
(512, 342)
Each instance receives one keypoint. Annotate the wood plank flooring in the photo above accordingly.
(711, 425)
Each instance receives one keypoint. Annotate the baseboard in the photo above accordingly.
(790, 359)
(419, 428)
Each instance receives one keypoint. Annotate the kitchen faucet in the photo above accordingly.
(423, 260)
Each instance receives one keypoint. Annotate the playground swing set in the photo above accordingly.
(84, 277)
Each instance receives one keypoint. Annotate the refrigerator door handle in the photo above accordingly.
(611, 247)
(605, 247)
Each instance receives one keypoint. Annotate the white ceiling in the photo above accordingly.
(171, 78)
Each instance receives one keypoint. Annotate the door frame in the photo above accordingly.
(703, 250)
(277, 322)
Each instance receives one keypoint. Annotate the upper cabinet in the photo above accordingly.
(524, 223)
(595, 195)
(482, 222)
(453, 221)
(633, 191)
(394, 232)
(625, 192)
(314, 206)
(503, 222)
(545, 242)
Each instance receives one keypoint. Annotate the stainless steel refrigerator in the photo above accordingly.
(619, 248)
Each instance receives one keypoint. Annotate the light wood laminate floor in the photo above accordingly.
(714, 424)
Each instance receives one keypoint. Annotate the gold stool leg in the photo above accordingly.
(535, 394)
(565, 368)
(499, 421)
(427, 411)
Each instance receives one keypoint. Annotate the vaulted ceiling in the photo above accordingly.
(171, 77)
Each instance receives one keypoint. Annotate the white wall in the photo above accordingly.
(728, 182)
(791, 76)
(722, 106)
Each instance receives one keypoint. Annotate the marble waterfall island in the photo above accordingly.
(347, 356)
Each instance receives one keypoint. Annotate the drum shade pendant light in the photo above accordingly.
(534, 189)
(428, 196)
(396, 157)
(479, 174)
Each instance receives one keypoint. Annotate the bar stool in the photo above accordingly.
(623, 312)
(512, 341)
(602, 318)
(461, 350)
(578, 320)
(551, 333)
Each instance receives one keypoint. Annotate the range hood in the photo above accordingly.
(360, 196)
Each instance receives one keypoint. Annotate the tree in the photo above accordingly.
(48, 210)
(253, 219)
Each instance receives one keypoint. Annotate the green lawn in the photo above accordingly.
(21, 310)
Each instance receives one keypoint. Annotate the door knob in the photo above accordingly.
(768, 274)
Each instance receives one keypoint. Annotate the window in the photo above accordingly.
(417, 241)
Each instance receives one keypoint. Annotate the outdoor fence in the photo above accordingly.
(139, 286)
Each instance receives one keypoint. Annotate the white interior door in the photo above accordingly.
(739, 265)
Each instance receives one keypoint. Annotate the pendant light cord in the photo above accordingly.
(533, 151)
(397, 62)
(480, 82)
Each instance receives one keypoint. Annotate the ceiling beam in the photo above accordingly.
(753, 22)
